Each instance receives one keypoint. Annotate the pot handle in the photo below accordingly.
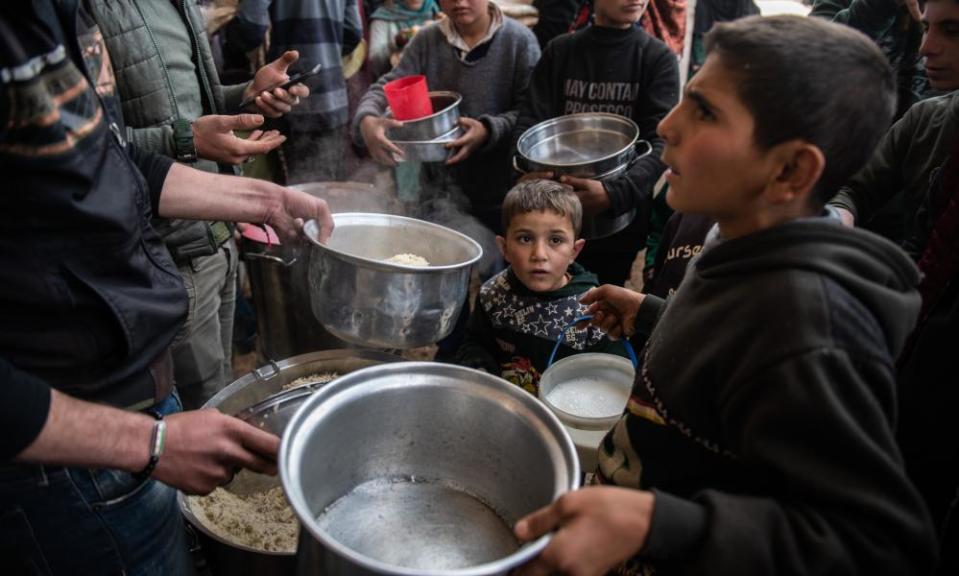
(276, 259)
(516, 166)
(649, 150)
(577, 320)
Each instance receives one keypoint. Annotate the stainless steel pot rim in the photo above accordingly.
(350, 386)
(570, 118)
(448, 137)
(456, 96)
(312, 227)
(585, 422)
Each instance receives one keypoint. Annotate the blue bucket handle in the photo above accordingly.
(575, 321)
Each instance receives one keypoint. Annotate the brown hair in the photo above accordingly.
(541, 195)
(805, 78)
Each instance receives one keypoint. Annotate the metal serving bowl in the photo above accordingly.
(362, 299)
(431, 150)
(431, 466)
(258, 398)
(587, 145)
(591, 145)
(445, 117)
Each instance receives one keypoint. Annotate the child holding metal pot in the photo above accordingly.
(522, 311)
(610, 67)
(759, 435)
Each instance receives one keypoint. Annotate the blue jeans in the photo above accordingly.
(56, 520)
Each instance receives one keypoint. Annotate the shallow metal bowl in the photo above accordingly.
(446, 459)
(445, 117)
(431, 150)
(361, 298)
(588, 145)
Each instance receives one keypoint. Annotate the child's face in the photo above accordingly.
(464, 13)
(540, 246)
(714, 167)
(618, 13)
(940, 44)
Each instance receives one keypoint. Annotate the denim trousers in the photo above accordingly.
(56, 520)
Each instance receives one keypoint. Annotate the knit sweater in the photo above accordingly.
(513, 330)
(322, 32)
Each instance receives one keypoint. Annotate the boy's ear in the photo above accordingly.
(800, 167)
(578, 247)
(501, 244)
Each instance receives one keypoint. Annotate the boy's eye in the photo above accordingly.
(524, 238)
(704, 113)
(556, 240)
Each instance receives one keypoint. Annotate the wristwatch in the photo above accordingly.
(183, 140)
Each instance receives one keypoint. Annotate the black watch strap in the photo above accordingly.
(183, 140)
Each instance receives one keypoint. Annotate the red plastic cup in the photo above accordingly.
(408, 97)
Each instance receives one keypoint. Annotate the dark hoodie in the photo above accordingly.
(513, 330)
(763, 418)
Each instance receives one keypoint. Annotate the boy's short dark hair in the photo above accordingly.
(814, 80)
(540, 195)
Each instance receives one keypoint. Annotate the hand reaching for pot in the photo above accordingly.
(613, 309)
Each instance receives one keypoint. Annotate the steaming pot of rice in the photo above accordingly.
(386, 281)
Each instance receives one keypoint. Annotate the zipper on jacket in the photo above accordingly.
(195, 44)
(166, 70)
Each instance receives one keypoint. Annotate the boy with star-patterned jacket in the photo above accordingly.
(513, 329)
(521, 312)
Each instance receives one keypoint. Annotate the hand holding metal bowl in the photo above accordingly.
(591, 146)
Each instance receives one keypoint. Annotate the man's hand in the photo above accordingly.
(592, 194)
(597, 528)
(204, 449)
(277, 102)
(613, 309)
(214, 138)
(475, 135)
(295, 208)
(373, 129)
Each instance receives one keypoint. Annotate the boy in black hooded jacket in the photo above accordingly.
(759, 435)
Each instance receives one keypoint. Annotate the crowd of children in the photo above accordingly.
(791, 411)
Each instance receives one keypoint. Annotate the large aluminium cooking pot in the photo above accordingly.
(362, 299)
(258, 398)
(431, 466)
(279, 275)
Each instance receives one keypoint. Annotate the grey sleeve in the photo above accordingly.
(157, 139)
(500, 126)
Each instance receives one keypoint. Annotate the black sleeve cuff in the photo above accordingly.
(648, 314)
(676, 528)
(154, 168)
(24, 406)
